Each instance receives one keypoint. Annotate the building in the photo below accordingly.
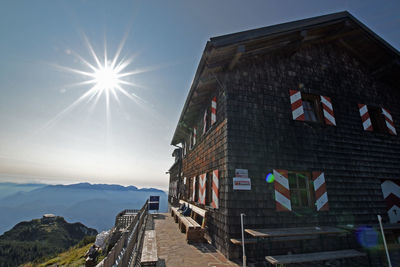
(48, 218)
(305, 115)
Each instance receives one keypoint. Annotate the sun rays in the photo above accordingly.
(104, 77)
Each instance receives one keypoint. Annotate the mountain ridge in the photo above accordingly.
(32, 240)
(94, 205)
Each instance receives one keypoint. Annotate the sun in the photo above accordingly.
(106, 78)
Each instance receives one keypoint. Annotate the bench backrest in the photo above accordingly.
(196, 212)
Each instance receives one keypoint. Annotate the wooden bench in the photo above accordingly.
(247, 241)
(194, 230)
(297, 233)
(149, 251)
(312, 257)
(175, 212)
(238, 241)
(189, 224)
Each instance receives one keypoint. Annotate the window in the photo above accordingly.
(205, 121)
(196, 189)
(208, 189)
(186, 183)
(301, 190)
(312, 107)
(377, 119)
(193, 136)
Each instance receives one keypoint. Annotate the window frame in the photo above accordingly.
(309, 188)
(196, 188)
(210, 126)
(208, 121)
(208, 196)
(315, 100)
(377, 119)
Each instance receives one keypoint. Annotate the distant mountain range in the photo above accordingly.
(28, 241)
(94, 205)
(8, 189)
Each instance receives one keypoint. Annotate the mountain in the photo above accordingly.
(32, 240)
(95, 205)
(7, 189)
(74, 256)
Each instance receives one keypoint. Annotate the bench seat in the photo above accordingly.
(311, 257)
(193, 230)
(188, 224)
(175, 213)
(236, 241)
(149, 251)
(184, 223)
(193, 222)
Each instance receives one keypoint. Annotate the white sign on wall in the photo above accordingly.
(244, 173)
(240, 183)
(184, 180)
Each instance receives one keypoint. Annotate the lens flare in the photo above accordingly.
(270, 178)
(367, 236)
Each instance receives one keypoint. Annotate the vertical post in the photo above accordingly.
(244, 254)
(384, 240)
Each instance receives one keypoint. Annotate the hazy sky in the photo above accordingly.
(42, 141)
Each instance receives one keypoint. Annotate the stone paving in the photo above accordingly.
(174, 251)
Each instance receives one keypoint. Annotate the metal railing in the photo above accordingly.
(125, 251)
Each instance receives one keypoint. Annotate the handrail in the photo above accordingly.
(123, 251)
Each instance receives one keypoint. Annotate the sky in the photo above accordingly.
(45, 139)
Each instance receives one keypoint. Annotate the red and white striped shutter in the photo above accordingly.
(202, 188)
(366, 120)
(194, 189)
(213, 110)
(328, 110)
(215, 189)
(321, 196)
(194, 136)
(391, 194)
(297, 105)
(389, 121)
(191, 141)
(205, 122)
(282, 193)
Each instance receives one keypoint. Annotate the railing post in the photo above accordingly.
(244, 253)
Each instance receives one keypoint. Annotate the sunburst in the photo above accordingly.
(105, 78)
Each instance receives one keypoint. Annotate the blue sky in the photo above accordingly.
(167, 39)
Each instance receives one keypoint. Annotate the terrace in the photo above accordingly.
(173, 250)
(155, 240)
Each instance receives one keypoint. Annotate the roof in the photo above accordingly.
(224, 51)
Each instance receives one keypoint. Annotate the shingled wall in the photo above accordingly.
(263, 136)
(210, 153)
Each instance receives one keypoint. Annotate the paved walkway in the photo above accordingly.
(174, 251)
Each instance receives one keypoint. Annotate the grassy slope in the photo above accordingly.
(29, 241)
(73, 257)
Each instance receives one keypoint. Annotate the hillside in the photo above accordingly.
(28, 241)
(95, 205)
(73, 257)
